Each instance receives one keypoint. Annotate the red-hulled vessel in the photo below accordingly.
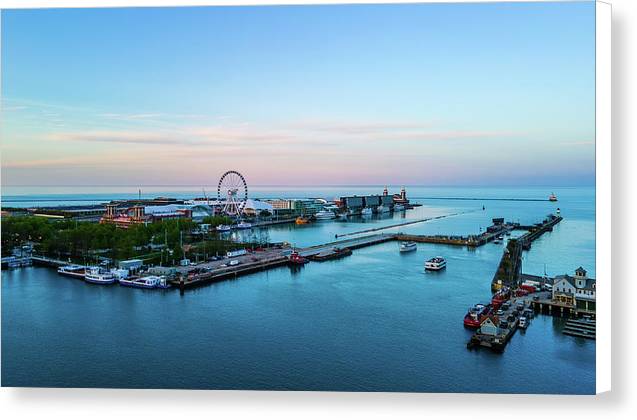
(296, 258)
(502, 296)
(476, 315)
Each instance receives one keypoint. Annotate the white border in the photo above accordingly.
(603, 181)
(603, 194)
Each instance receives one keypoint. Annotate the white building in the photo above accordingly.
(578, 290)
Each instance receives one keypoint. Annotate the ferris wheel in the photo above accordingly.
(232, 190)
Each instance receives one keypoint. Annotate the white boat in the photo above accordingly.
(399, 207)
(325, 215)
(408, 246)
(382, 209)
(523, 323)
(98, 275)
(367, 211)
(223, 228)
(552, 197)
(342, 216)
(435, 264)
(244, 225)
(72, 270)
(147, 282)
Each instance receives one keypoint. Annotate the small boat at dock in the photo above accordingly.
(73, 270)
(435, 264)
(476, 314)
(244, 225)
(98, 275)
(325, 215)
(408, 246)
(296, 258)
(223, 228)
(147, 282)
(331, 254)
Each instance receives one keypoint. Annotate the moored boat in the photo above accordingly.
(325, 215)
(98, 275)
(297, 259)
(475, 315)
(435, 264)
(223, 228)
(399, 207)
(382, 209)
(500, 297)
(244, 225)
(301, 220)
(331, 254)
(72, 270)
(147, 282)
(552, 197)
(408, 246)
(367, 211)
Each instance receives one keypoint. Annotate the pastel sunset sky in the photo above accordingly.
(431, 94)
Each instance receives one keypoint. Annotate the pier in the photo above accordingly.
(509, 269)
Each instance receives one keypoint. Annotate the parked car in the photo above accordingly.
(499, 312)
(234, 262)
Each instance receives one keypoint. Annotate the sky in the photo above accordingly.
(415, 94)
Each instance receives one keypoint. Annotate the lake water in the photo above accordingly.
(374, 321)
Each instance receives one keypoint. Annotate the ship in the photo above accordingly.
(331, 254)
(435, 264)
(382, 209)
(98, 275)
(301, 220)
(500, 297)
(325, 215)
(72, 270)
(408, 246)
(475, 315)
(367, 211)
(296, 258)
(223, 228)
(552, 197)
(147, 282)
(244, 225)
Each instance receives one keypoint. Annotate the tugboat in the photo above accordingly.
(408, 246)
(297, 259)
(476, 314)
(552, 197)
(435, 264)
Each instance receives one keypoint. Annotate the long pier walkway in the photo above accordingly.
(410, 222)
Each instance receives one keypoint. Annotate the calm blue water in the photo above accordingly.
(371, 322)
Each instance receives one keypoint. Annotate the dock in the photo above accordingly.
(509, 269)
(580, 328)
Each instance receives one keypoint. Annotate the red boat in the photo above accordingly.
(476, 315)
(501, 297)
(295, 258)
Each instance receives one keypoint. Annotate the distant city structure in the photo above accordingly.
(140, 214)
(377, 203)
